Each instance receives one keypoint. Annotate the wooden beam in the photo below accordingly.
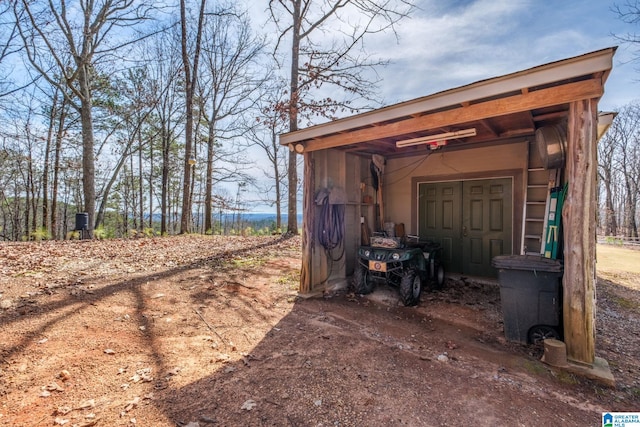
(487, 126)
(550, 116)
(570, 92)
(579, 219)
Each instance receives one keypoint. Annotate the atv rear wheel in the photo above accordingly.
(410, 287)
(362, 283)
(438, 277)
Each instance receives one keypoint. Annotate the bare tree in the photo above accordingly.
(58, 121)
(11, 204)
(340, 63)
(162, 56)
(629, 164)
(607, 148)
(190, 70)
(628, 12)
(271, 122)
(135, 104)
(619, 170)
(8, 46)
(231, 79)
(72, 43)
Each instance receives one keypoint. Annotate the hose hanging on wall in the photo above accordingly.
(330, 224)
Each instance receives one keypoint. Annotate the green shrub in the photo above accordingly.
(73, 235)
(39, 234)
(100, 233)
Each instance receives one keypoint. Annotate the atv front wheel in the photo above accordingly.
(410, 287)
(362, 283)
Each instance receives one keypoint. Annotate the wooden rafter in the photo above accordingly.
(485, 123)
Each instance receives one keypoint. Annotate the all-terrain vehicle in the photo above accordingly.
(407, 263)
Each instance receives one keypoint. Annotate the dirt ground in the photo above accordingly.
(209, 331)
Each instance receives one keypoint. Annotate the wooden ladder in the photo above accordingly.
(539, 183)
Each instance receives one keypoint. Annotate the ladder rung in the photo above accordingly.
(535, 219)
(532, 236)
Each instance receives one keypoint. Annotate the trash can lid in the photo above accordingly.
(527, 262)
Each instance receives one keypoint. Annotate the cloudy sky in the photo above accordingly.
(450, 43)
(447, 46)
(443, 47)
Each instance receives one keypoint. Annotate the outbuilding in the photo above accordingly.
(471, 168)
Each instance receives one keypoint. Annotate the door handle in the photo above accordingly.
(464, 231)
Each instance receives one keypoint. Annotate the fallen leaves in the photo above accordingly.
(47, 389)
(96, 339)
(142, 375)
(248, 405)
(132, 404)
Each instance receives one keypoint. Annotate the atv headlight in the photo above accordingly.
(367, 253)
(395, 256)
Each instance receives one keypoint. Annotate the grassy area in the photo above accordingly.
(611, 257)
(619, 264)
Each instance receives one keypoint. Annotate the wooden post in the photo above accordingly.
(579, 221)
(308, 221)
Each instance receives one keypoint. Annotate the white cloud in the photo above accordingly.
(441, 48)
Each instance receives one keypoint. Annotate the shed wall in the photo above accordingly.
(401, 176)
(337, 170)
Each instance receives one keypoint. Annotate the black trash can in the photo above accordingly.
(531, 297)
(82, 221)
(82, 224)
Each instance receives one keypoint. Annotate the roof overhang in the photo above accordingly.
(499, 108)
(605, 119)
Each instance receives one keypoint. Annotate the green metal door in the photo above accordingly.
(440, 220)
(486, 224)
(470, 219)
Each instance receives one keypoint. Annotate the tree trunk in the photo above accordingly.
(208, 191)
(56, 171)
(27, 199)
(34, 195)
(45, 171)
(190, 85)
(185, 221)
(292, 216)
(164, 197)
(611, 226)
(151, 185)
(140, 183)
(632, 226)
(88, 159)
(276, 169)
